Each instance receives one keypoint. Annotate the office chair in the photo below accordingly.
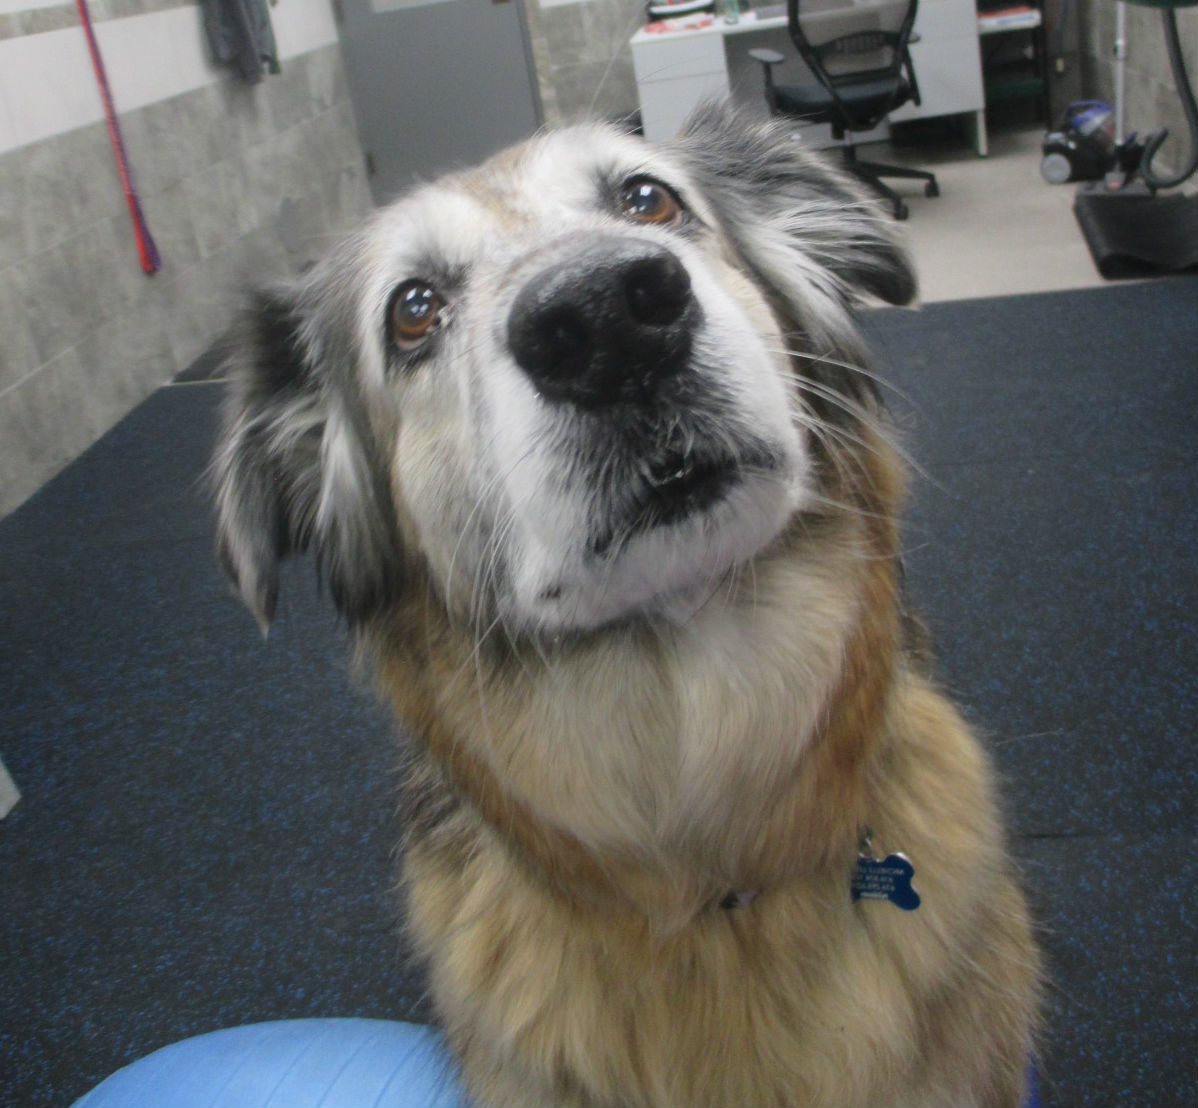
(857, 52)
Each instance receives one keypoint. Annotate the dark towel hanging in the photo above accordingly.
(241, 37)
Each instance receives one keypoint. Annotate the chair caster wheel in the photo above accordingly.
(931, 189)
(900, 210)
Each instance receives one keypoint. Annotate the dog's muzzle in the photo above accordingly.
(608, 324)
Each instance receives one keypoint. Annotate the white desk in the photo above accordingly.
(677, 69)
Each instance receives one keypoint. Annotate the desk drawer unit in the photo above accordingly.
(674, 72)
(947, 61)
(941, 20)
(950, 79)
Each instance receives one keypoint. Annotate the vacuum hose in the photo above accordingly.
(1153, 142)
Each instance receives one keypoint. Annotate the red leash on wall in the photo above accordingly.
(146, 250)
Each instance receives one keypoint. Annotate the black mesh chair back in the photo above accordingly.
(858, 55)
(861, 71)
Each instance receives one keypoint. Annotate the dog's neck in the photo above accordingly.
(658, 768)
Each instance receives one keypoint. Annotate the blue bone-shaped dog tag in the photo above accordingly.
(886, 878)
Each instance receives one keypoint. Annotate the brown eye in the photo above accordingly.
(647, 201)
(417, 310)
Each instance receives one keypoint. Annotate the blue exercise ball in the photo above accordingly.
(315, 1063)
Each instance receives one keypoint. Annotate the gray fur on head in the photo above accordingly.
(791, 213)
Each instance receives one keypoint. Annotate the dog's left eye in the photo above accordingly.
(647, 201)
(417, 310)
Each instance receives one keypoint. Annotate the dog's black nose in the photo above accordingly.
(608, 324)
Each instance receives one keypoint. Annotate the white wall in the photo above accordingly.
(47, 85)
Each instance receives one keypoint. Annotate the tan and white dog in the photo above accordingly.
(585, 447)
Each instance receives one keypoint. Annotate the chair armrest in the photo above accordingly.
(766, 57)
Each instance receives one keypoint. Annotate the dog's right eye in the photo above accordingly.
(416, 311)
(644, 200)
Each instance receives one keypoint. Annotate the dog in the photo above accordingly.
(587, 450)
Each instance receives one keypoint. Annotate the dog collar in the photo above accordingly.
(873, 878)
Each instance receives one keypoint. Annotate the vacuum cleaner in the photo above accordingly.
(1084, 146)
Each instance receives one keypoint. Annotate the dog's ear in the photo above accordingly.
(792, 216)
(291, 468)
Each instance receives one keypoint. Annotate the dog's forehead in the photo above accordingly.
(439, 221)
(553, 177)
(565, 166)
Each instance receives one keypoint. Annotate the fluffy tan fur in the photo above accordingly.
(583, 801)
(582, 811)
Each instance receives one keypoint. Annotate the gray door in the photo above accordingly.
(435, 84)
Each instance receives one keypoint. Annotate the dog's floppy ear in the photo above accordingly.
(792, 216)
(291, 468)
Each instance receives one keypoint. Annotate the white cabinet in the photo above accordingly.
(947, 61)
(675, 71)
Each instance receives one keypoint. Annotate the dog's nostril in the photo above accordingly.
(658, 290)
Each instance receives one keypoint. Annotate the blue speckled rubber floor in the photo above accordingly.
(206, 837)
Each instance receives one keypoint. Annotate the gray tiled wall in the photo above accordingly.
(583, 62)
(237, 183)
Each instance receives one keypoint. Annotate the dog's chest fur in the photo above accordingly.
(578, 824)
(580, 956)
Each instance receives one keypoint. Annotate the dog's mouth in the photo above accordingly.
(671, 487)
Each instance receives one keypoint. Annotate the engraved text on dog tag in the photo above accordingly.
(886, 878)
